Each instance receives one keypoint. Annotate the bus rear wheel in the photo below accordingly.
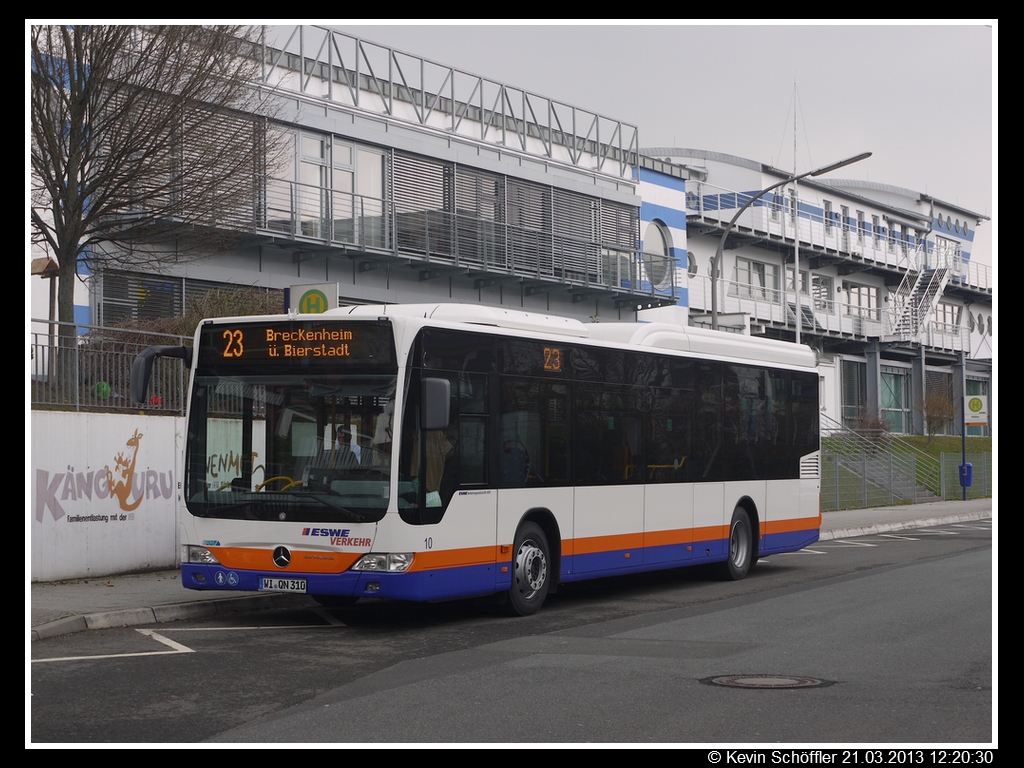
(531, 571)
(741, 547)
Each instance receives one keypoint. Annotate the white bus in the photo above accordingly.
(429, 452)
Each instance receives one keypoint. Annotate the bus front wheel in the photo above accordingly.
(741, 547)
(531, 570)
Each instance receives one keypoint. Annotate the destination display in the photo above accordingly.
(288, 343)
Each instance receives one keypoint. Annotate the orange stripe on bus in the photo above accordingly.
(336, 562)
(595, 544)
(788, 526)
(455, 558)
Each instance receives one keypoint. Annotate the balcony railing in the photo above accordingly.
(774, 218)
(385, 229)
(775, 307)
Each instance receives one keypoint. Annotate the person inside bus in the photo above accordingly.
(345, 454)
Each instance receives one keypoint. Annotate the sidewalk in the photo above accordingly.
(60, 608)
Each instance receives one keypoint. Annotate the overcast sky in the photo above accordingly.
(919, 96)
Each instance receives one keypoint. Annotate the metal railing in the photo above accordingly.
(876, 463)
(88, 368)
(442, 238)
(336, 67)
(774, 218)
(777, 307)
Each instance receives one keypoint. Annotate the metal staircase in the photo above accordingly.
(920, 290)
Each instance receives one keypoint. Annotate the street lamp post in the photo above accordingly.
(717, 260)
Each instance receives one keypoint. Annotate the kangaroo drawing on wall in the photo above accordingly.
(125, 467)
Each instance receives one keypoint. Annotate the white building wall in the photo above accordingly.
(85, 522)
(664, 202)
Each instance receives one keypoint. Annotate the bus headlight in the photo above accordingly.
(197, 555)
(393, 562)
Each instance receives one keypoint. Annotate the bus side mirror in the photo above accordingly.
(142, 367)
(435, 403)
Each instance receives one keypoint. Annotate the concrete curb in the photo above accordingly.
(868, 530)
(131, 617)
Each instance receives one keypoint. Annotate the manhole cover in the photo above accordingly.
(766, 681)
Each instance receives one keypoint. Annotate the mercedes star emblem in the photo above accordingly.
(282, 557)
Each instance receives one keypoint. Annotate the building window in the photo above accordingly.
(828, 217)
(946, 251)
(876, 231)
(854, 391)
(948, 315)
(939, 408)
(820, 289)
(804, 277)
(861, 227)
(337, 192)
(861, 300)
(756, 280)
(658, 266)
(821, 292)
(131, 297)
(896, 399)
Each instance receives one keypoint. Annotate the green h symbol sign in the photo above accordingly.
(313, 302)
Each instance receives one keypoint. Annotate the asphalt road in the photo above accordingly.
(896, 629)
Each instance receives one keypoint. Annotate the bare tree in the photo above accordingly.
(938, 413)
(146, 141)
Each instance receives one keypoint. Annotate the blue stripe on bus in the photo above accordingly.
(789, 541)
(442, 583)
(469, 581)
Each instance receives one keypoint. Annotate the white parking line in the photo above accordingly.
(177, 648)
(853, 543)
(804, 551)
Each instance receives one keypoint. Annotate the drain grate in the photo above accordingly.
(773, 682)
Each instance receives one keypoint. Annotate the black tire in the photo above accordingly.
(741, 547)
(335, 601)
(531, 571)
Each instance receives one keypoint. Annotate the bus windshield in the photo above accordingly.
(289, 447)
(290, 419)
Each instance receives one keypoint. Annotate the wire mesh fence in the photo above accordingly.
(981, 485)
(88, 368)
(864, 480)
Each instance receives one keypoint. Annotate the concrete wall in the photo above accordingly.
(104, 491)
